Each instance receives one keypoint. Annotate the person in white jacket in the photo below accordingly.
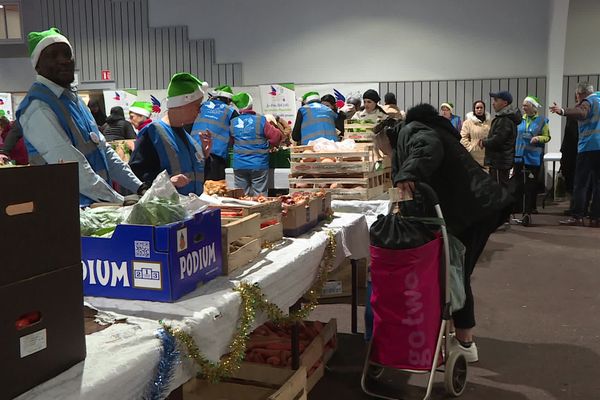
(475, 127)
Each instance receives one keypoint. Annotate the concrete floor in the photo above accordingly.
(537, 295)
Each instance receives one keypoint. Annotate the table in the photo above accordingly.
(121, 359)
(553, 158)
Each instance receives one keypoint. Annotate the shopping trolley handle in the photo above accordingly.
(420, 187)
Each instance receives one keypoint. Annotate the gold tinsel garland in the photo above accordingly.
(253, 300)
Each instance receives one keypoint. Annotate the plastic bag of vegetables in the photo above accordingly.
(101, 221)
(160, 205)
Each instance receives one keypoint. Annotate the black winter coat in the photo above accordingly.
(500, 143)
(467, 194)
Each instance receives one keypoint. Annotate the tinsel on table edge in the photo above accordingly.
(253, 300)
(169, 358)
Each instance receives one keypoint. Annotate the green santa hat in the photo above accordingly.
(311, 96)
(449, 105)
(243, 101)
(224, 91)
(143, 108)
(38, 41)
(184, 89)
(534, 101)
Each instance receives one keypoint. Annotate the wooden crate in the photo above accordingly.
(267, 211)
(387, 178)
(272, 233)
(316, 351)
(360, 132)
(299, 219)
(252, 382)
(123, 148)
(364, 158)
(245, 230)
(367, 186)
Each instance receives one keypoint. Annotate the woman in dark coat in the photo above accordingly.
(117, 128)
(472, 203)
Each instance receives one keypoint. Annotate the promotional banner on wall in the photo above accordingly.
(123, 98)
(341, 91)
(6, 108)
(279, 100)
(158, 98)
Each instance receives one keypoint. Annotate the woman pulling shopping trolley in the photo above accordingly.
(472, 204)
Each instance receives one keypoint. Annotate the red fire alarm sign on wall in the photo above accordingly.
(106, 75)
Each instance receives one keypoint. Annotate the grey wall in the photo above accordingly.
(314, 41)
(462, 93)
(115, 35)
(581, 50)
(570, 84)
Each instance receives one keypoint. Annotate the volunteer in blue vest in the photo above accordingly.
(252, 136)
(447, 111)
(166, 145)
(587, 169)
(59, 127)
(314, 120)
(139, 114)
(215, 117)
(532, 135)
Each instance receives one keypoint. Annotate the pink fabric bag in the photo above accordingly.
(406, 303)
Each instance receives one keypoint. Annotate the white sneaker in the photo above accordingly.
(470, 353)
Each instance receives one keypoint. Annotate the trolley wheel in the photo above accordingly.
(526, 221)
(375, 371)
(455, 377)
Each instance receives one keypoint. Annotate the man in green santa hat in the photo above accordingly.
(314, 120)
(139, 114)
(58, 126)
(166, 145)
(215, 117)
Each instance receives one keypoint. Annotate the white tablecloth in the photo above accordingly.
(121, 359)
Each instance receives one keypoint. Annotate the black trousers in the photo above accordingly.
(526, 187)
(587, 181)
(214, 168)
(474, 239)
(500, 175)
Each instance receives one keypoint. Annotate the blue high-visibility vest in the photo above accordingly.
(250, 145)
(79, 126)
(589, 129)
(317, 121)
(525, 152)
(176, 156)
(214, 116)
(456, 122)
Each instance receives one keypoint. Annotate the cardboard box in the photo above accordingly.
(50, 346)
(255, 382)
(157, 263)
(339, 281)
(41, 300)
(299, 219)
(39, 216)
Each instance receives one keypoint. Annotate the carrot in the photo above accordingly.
(279, 346)
(267, 352)
(274, 361)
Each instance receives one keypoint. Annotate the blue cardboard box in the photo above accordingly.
(157, 263)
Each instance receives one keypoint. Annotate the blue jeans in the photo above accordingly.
(587, 180)
(253, 181)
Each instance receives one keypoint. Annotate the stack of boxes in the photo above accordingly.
(41, 296)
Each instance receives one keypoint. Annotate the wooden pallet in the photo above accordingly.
(364, 158)
(367, 186)
(244, 230)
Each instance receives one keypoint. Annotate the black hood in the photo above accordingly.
(428, 115)
(511, 112)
